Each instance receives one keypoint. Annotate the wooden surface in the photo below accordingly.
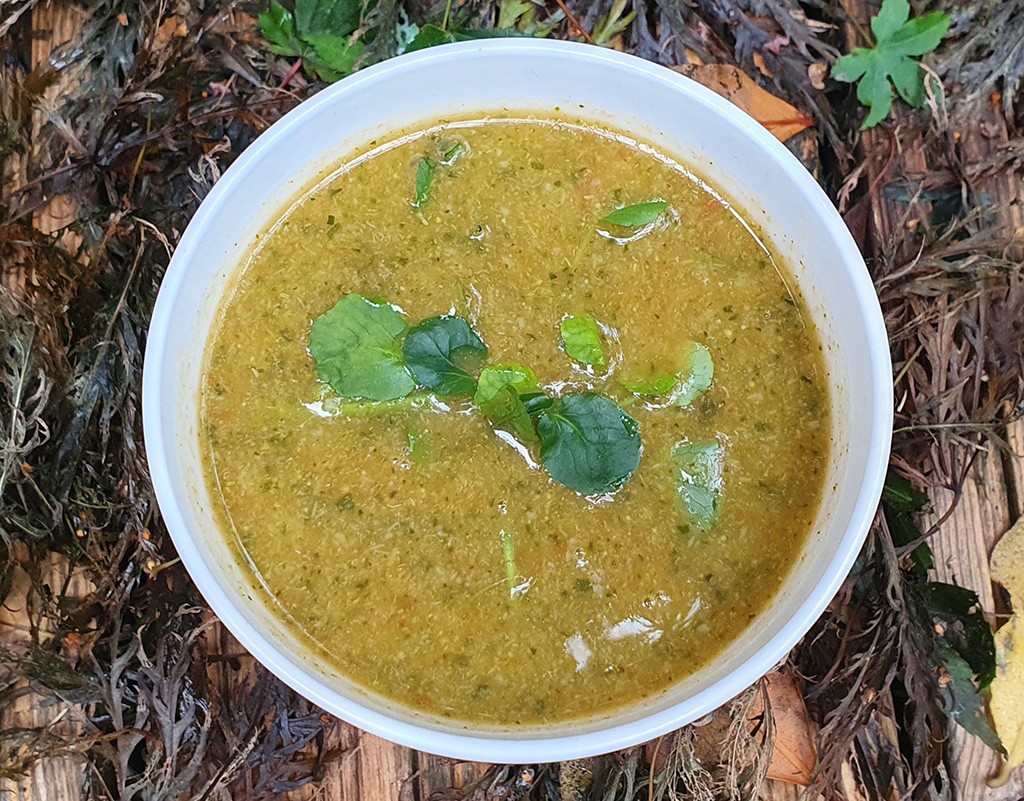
(370, 768)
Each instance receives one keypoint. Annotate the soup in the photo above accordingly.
(516, 420)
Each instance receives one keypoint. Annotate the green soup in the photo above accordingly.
(440, 558)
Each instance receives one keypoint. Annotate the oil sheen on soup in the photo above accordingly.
(516, 419)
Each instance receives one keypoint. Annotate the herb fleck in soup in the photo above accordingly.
(517, 420)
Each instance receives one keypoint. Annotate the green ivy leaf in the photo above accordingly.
(439, 350)
(355, 345)
(581, 338)
(699, 481)
(889, 63)
(588, 443)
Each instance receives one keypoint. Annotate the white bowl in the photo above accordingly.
(676, 115)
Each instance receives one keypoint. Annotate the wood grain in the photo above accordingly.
(369, 768)
(58, 778)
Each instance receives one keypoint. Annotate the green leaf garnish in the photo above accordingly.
(355, 345)
(696, 373)
(876, 70)
(498, 396)
(419, 451)
(438, 351)
(320, 33)
(637, 215)
(658, 386)
(451, 152)
(582, 340)
(696, 376)
(588, 443)
(424, 178)
(535, 402)
(699, 480)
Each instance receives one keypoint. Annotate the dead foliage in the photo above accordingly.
(137, 119)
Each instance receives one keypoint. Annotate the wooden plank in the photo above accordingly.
(961, 549)
(54, 778)
(57, 778)
(369, 768)
(53, 25)
(435, 773)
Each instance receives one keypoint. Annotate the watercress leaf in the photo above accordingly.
(697, 374)
(327, 17)
(637, 215)
(582, 340)
(420, 451)
(495, 377)
(424, 177)
(278, 27)
(660, 385)
(535, 402)
(355, 345)
(588, 443)
(498, 398)
(438, 352)
(505, 410)
(451, 151)
(699, 480)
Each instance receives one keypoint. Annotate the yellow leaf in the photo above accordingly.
(1007, 563)
(1007, 701)
(781, 119)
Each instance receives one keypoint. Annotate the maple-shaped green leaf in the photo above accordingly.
(320, 32)
(890, 62)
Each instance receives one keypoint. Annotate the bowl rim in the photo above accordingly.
(498, 749)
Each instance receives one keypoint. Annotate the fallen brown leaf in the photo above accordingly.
(779, 117)
(816, 74)
(173, 26)
(762, 66)
(794, 755)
